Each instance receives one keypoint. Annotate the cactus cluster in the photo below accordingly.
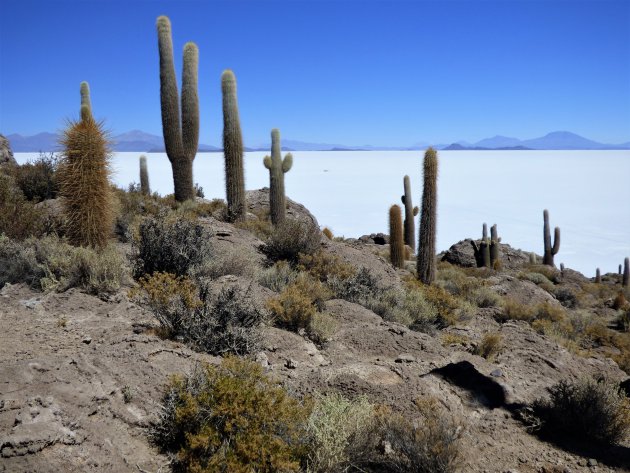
(410, 213)
(181, 133)
(277, 169)
(426, 263)
(550, 250)
(487, 252)
(83, 178)
(396, 241)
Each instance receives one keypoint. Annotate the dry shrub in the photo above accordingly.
(547, 311)
(278, 276)
(296, 305)
(587, 410)
(620, 302)
(450, 310)
(430, 443)
(449, 339)
(490, 346)
(51, 264)
(457, 283)
(36, 179)
(241, 261)
(337, 429)
(327, 232)
(549, 272)
(514, 310)
(322, 327)
(325, 266)
(19, 219)
(292, 238)
(485, 297)
(567, 297)
(231, 418)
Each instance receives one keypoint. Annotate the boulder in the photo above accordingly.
(6, 155)
(258, 203)
(463, 254)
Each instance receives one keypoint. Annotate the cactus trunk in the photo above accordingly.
(549, 250)
(428, 219)
(598, 276)
(181, 134)
(277, 169)
(145, 188)
(494, 247)
(232, 149)
(626, 272)
(396, 240)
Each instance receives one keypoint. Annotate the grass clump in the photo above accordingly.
(490, 346)
(292, 238)
(295, 307)
(325, 266)
(231, 418)
(278, 276)
(586, 410)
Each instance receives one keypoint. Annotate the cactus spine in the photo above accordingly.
(410, 213)
(428, 219)
(181, 135)
(84, 179)
(232, 148)
(277, 168)
(626, 272)
(396, 240)
(598, 276)
(144, 176)
(550, 251)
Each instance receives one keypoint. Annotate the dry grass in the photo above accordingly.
(490, 346)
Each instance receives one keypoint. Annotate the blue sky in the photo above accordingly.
(351, 72)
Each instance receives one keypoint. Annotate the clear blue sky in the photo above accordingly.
(351, 72)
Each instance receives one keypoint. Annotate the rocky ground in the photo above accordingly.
(81, 378)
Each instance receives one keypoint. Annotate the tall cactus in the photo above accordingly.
(550, 251)
(626, 272)
(83, 178)
(494, 247)
(277, 169)
(428, 219)
(145, 188)
(232, 149)
(482, 252)
(598, 276)
(396, 241)
(410, 213)
(181, 134)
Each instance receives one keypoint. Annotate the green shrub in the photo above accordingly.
(588, 410)
(169, 245)
(241, 261)
(325, 266)
(278, 276)
(296, 305)
(486, 297)
(231, 418)
(36, 179)
(322, 327)
(51, 264)
(337, 429)
(359, 288)
(19, 219)
(291, 238)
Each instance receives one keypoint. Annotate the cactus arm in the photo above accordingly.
(287, 163)
(556, 241)
(169, 99)
(402, 199)
(86, 103)
(415, 210)
(190, 101)
(267, 162)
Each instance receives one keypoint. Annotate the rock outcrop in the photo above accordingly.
(6, 155)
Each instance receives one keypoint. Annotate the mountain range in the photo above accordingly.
(140, 141)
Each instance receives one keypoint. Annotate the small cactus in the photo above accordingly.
(83, 178)
(410, 213)
(181, 134)
(277, 169)
(494, 247)
(144, 176)
(598, 276)
(428, 219)
(550, 251)
(562, 267)
(396, 240)
(532, 258)
(232, 149)
(626, 272)
(487, 252)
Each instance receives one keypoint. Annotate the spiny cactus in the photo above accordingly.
(482, 251)
(550, 251)
(181, 135)
(232, 149)
(494, 247)
(83, 178)
(396, 241)
(626, 272)
(428, 219)
(277, 168)
(410, 213)
(144, 176)
(598, 276)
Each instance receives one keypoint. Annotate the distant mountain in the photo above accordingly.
(140, 141)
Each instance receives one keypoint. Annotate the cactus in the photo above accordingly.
(83, 178)
(144, 176)
(328, 233)
(562, 267)
(410, 213)
(626, 272)
(277, 168)
(619, 270)
(532, 258)
(428, 219)
(598, 276)
(482, 251)
(495, 263)
(181, 135)
(550, 251)
(232, 149)
(396, 240)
